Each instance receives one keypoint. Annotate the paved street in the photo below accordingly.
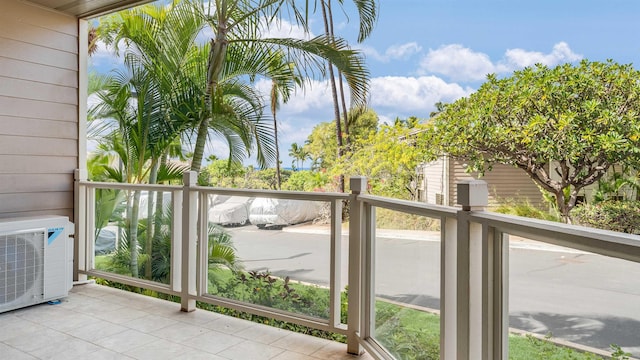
(584, 298)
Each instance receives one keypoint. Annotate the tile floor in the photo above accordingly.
(96, 322)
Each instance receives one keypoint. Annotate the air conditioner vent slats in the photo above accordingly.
(35, 266)
(21, 274)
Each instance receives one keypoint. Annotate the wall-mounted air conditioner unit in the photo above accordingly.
(36, 260)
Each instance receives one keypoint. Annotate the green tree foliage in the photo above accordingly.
(564, 126)
(388, 158)
(322, 144)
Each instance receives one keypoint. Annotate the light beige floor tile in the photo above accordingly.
(150, 323)
(212, 342)
(336, 351)
(69, 349)
(36, 340)
(7, 352)
(262, 334)
(125, 341)
(121, 315)
(159, 350)
(229, 325)
(70, 322)
(105, 354)
(290, 355)
(198, 355)
(180, 332)
(198, 317)
(97, 329)
(251, 350)
(301, 343)
(13, 326)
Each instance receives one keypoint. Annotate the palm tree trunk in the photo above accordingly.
(217, 54)
(275, 132)
(151, 224)
(342, 99)
(334, 92)
(133, 234)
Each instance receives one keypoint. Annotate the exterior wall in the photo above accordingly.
(38, 110)
(433, 177)
(504, 182)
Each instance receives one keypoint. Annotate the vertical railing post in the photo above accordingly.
(335, 267)
(358, 185)
(472, 276)
(448, 288)
(80, 221)
(189, 240)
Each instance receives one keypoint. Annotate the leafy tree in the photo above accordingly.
(321, 143)
(564, 126)
(388, 157)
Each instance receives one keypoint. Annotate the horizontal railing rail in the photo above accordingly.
(597, 241)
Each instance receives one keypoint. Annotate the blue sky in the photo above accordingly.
(425, 51)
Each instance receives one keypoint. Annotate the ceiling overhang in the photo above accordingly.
(88, 8)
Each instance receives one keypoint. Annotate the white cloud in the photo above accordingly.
(105, 56)
(459, 63)
(412, 96)
(285, 29)
(519, 58)
(393, 52)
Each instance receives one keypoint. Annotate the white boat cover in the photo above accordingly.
(266, 211)
(229, 210)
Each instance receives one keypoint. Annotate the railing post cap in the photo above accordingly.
(358, 184)
(473, 193)
(189, 178)
(80, 174)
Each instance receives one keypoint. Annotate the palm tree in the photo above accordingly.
(161, 54)
(238, 24)
(281, 88)
(367, 12)
(299, 155)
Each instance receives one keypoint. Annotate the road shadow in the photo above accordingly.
(425, 301)
(595, 331)
(590, 330)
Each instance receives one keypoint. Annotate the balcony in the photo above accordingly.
(98, 322)
(460, 287)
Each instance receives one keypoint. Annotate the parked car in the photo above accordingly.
(107, 240)
(267, 212)
(229, 210)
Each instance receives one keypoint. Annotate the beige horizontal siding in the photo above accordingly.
(51, 20)
(22, 145)
(22, 164)
(21, 108)
(15, 126)
(60, 212)
(23, 183)
(20, 69)
(33, 90)
(22, 202)
(38, 110)
(13, 49)
(505, 183)
(13, 29)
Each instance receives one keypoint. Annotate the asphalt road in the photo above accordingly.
(583, 298)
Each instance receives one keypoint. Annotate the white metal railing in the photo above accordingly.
(473, 260)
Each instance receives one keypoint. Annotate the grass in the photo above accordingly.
(407, 333)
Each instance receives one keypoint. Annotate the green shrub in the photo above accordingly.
(524, 209)
(622, 216)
